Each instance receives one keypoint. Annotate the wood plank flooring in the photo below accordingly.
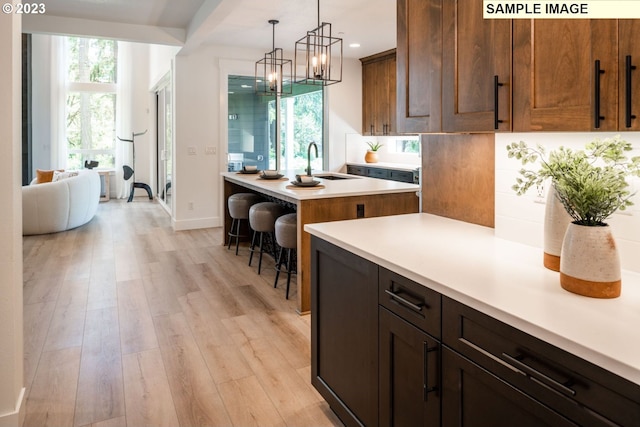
(128, 323)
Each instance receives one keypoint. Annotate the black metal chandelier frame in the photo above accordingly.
(273, 72)
(320, 54)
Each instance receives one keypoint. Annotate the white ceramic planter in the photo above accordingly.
(556, 221)
(589, 262)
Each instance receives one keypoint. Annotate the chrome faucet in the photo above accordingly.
(312, 144)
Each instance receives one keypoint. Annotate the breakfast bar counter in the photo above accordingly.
(336, 197)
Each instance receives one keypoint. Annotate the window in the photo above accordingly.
(407, 146)
(91, 101)
(254, 120)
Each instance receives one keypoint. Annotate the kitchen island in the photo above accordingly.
(337, 197)
(506, 327)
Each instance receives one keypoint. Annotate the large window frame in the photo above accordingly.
(91, 86)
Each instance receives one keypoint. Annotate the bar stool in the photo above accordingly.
(239, 205)
(287, 238)
(262, 219)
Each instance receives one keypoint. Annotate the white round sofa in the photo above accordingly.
(62, 205)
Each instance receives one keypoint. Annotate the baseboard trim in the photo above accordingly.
(193, 224)
(15, 418)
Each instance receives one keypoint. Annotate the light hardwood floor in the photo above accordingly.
(128, 323)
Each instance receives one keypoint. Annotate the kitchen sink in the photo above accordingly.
(333, 177)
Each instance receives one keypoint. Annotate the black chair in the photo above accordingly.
(128, 173)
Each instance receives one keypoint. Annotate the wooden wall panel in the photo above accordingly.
(458, 177)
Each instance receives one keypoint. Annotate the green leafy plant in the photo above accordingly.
(590, 183)
(374, 146)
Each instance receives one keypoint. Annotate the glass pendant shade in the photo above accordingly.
(273, 72)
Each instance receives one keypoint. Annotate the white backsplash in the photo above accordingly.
(520, 218)
(356, 147)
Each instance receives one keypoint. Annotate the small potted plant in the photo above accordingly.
(372, 152)
(591, 184)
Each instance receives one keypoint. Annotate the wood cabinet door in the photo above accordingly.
(379, 94)
(368, 97)
(344, 332)
(629, 78)
(555, 76)
(475, 53)
(419, 63)
(409, 374)
(473, 397)
(390, 123)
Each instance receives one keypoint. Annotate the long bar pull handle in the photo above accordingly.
(596, 110)
(538, 376)
(496, 102)
(404, 301)
(425, 368)
(629, 67)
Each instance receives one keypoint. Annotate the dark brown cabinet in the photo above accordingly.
(379, 94)
(497, 365)
(344, 331)
(409, 374)
(476, 69)
(409, 357)
(476, 398)
(388, 351)
(419, 65)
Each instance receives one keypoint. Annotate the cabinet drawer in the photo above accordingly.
(584, 392)
(413, 302)
(377, 173)
(356, 170)
(402, 176)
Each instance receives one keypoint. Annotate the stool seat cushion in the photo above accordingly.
(240, 203)
(262, 216)
(286, 231)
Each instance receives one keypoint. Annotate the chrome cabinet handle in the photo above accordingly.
(404, 301)
(629, 67)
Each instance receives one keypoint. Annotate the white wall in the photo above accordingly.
(11, 334)
(201, 122)
(521, 218)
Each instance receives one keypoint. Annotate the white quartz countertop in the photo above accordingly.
(387, 165)
(353, 186)
(503, 279)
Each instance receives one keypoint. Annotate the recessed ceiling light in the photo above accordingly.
(354, 45)
(246, 86)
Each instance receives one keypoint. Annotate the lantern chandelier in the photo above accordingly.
(273, 71)
(320, 55)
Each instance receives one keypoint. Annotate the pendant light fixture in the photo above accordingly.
(273, 72)
(318, 56)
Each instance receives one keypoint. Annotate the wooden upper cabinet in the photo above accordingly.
(556, 86)
(379, 94)
(474, 52)
(419, 65)
(629, 78)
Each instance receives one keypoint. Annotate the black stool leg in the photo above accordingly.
(238, 235)
(233, 222)
(288, 272)
(253, 245)
(261, 252)
(278, 266)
